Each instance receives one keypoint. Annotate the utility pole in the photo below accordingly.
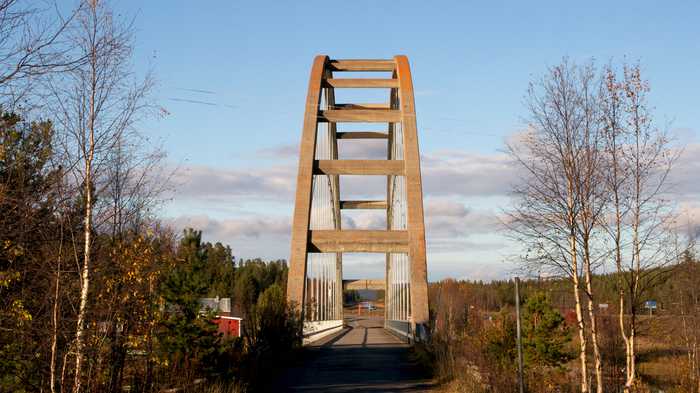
(518, 335)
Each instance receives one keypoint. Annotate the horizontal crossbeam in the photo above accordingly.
(362, 65)
(358, 167)
(361, 135)
(363, 205)
(362, 106)
(360, 115)
(360, 83)
(358, 241)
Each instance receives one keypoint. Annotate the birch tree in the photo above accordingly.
(96, 103)
(555, 208)
(591, 198)
(639, 160)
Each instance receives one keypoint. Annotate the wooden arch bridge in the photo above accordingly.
(318, 240)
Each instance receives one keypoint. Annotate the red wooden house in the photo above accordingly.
(228, 326)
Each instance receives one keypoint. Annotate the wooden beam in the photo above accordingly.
(360, 83)
(361, 106)
(358, 167)
(363, 205)
(358, 241)
(362, 135)
(362, 65)
(360, 115)
(414, 196)
(302, 203)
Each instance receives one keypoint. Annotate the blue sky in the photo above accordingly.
(246, 65)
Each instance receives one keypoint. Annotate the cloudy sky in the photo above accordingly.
(233, 76)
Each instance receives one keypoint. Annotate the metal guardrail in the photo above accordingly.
(403, 329)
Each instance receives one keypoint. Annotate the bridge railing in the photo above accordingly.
(323, 299)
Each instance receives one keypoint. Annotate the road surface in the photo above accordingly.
(363, 357)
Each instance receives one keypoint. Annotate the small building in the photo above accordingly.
(228, 326)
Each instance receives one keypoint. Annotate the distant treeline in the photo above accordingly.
(495, 294)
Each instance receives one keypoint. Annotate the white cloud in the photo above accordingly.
(202, 183)
(279, 152)
(248, 227)
(685, 174)
(258, 236)
(460, 226)
(467, 174)
(450, 218)
(446, 173)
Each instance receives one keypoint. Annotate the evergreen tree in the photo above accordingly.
(544, 333)
(220, 267)
(188, 336)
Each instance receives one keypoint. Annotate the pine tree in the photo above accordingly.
(544, 333)
(188, 336)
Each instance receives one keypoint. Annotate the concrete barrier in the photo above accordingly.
(316, 330)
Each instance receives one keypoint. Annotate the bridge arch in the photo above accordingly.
(318, 240)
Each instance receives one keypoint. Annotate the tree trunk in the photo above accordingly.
(85, 285)
(576, 287)
(579, 320)
(632, 374)
(581, 337)
(594, 329)
(85, 279)
(623, 333)
(56, 307)
(629, 348)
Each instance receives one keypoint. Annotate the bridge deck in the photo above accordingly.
(363, 357)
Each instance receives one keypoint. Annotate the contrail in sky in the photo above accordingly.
(197, 90)
(193, 101)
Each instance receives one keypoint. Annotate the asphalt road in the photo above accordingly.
(363, 357)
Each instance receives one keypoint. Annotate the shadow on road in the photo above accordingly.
(363, 357)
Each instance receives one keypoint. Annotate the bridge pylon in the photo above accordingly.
(318, 241)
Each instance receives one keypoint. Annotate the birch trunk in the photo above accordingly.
(594, 327)
(621, 291)
(85, 276)
(631, 349)
(577, 294)
(581, 336)
(623, 333)
(84, 287)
